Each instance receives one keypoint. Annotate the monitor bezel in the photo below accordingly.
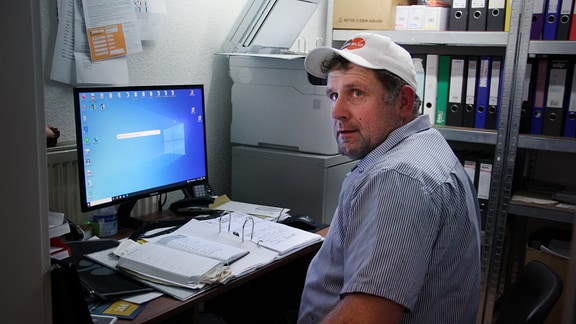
(126, 204)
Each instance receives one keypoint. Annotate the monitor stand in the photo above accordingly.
(124, 218)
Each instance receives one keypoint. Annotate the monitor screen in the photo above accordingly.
(138, 141)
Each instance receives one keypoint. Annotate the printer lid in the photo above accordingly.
(268, 26)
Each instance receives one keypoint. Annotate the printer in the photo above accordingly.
(275, 103)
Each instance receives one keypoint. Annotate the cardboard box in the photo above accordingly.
(366, 14)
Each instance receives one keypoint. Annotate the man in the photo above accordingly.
(404, 243)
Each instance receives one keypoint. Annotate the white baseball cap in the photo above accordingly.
(368, 50)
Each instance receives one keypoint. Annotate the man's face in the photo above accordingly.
(362, 118)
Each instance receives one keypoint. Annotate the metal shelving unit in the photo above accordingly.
(468, 135)
(436, 38)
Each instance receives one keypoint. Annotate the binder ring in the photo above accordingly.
(244, 225)
(220, 221)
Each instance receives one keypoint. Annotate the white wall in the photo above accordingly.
(186, 54)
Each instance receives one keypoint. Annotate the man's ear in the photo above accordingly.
(406, 101)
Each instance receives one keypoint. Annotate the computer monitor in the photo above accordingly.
(138, 141)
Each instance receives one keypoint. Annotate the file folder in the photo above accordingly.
(564, 19)
(493, 111)
(431, 86)
(527, 95)
(508, 15)
(496, 15)
(477, 15)
(555, 97)
(570, 118)
(484, 180)
(551, 19)
(482, 92)
(456, 92)
(470, 100)
(419, 63)
(537, 25)
(442, 96)
(458, 20)
(536, 120)
(573, 24)
(470, 164)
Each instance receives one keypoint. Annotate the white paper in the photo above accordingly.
(71, 63)
(151, 15)
(253, 209)
(63, 65)
(275, 236)
(110, 12)
(114, 71)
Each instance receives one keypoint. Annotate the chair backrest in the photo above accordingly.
(532, 295)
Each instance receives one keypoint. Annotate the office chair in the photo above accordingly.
(532, 295)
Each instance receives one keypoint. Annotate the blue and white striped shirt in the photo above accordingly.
(406, 229)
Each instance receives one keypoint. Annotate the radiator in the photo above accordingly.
(63, 186)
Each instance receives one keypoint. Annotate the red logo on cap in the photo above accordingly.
(356, 43)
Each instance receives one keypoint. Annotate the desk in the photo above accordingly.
(286, 274)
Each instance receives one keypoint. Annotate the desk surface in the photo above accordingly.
(166, 307)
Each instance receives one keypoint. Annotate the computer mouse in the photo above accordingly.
(302, 222)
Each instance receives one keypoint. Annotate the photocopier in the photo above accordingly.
(275, 103)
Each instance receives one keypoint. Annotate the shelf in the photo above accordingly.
(464, 38)
(470, 135)
(552, 47)
(563, 215)
(547, 143)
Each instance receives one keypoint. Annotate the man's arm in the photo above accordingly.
(364, 309)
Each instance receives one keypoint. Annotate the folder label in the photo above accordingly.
(431, 86)
(484, 180)
(471, 82)
(456, 80)
(556, 85)
(494, 83)
(496, 4)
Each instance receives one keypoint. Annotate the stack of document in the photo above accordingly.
(204, 252)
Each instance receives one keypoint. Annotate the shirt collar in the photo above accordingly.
(419, 124)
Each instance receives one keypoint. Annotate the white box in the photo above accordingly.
(436, 18)
(416, 17)
(420, 17)
(401, 20)
(275, 105)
